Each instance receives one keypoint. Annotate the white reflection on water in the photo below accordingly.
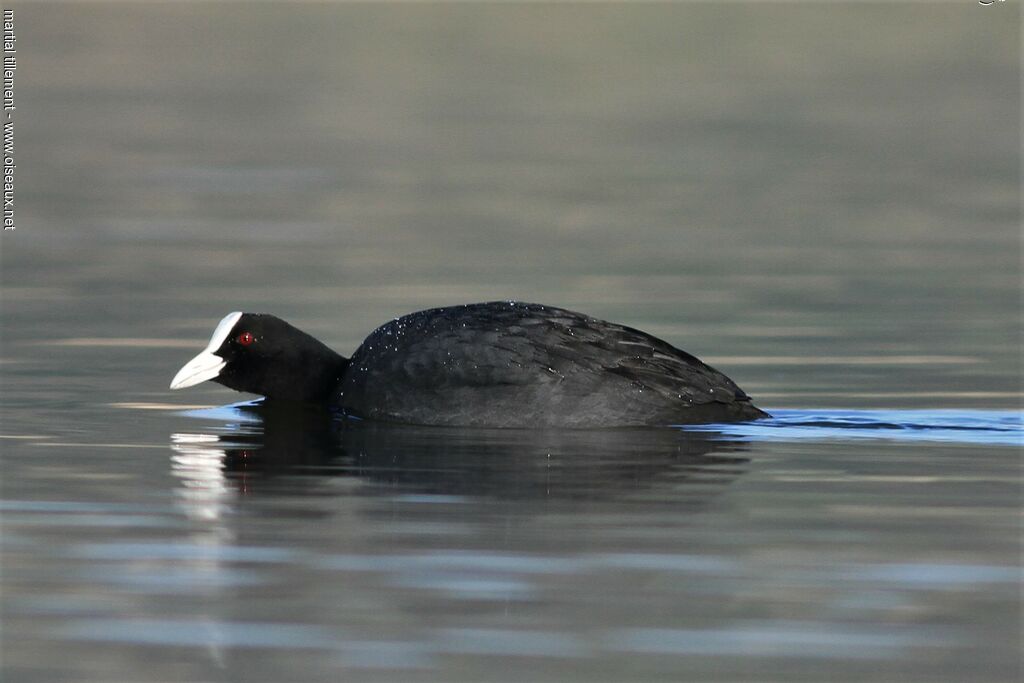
(199, 465)
(780, 639)
(198, 632)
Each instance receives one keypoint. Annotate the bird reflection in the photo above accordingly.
(266, 447)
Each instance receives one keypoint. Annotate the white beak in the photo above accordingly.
(201, 368)
(207, 364)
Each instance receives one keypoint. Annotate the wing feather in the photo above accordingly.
(528, 358)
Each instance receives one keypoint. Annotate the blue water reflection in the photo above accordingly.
(991, 427)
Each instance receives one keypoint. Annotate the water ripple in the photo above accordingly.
(990, 427)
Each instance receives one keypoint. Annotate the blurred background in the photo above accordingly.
(821, 199)
(803, 181)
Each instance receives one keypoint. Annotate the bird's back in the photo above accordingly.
(511, 364)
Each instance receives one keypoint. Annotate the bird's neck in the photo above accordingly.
(310, 374)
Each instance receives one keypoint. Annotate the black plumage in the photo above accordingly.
(497, 364)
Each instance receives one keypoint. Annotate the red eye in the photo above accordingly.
(246, 338)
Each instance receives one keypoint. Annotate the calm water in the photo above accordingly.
(821, 201)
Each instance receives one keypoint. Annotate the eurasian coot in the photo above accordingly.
(497, 364)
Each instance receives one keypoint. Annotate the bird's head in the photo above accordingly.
(262, 354)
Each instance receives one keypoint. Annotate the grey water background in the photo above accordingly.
(821, 200)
